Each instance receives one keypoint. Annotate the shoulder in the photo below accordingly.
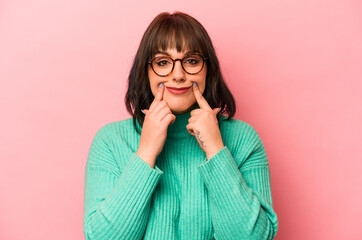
(242, 140)
(117, 128)
(237, 128)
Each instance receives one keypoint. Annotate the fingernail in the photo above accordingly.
(160, 85)
(143, 112)
(195, 84)
(219, 110)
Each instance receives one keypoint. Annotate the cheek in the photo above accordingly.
(152, 81)
(202, 84)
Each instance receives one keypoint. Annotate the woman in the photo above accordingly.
(178, 168)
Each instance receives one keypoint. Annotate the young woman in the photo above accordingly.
(178, 169)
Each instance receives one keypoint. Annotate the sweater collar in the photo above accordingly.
(178, 128)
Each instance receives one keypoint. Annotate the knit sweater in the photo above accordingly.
(186, 195)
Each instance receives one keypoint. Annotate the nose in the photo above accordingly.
(178, 73)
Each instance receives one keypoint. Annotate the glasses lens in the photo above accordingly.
(193, 63)
(162, 65)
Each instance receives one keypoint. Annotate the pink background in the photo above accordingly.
(294, 68)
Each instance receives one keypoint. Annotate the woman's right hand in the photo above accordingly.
(154, 129)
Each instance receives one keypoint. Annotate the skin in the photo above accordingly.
(203, 124)
(178, 104)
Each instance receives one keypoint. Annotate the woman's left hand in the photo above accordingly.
(204, 126)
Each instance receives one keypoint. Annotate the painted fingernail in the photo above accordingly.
(195, 84)
(160, 85)
(143, 112)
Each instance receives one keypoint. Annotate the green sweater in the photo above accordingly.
(185, 196)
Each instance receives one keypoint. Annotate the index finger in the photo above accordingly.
(158, 97)
(199, 98)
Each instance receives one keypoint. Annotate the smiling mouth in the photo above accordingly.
(178, 91)
(183, 88)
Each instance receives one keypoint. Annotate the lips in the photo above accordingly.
(184, 88)
(178, 91)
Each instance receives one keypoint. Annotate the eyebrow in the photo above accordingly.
(186, 53)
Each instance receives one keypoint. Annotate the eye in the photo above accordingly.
(192, 60)
(162, 61)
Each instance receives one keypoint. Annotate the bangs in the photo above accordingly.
(178, 34)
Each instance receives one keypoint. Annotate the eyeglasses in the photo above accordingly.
(192, 64)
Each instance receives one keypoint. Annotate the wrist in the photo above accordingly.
(147, 158)
(214, 151)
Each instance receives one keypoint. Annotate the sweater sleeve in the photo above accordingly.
(240, 197)
(116, 203)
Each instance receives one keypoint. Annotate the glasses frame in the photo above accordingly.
(181, 60)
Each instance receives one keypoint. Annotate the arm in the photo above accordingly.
(116, 203)
(240, 197)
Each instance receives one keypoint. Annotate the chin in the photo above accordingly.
(178, 109)
(181, 110)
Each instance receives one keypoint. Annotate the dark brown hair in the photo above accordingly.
(186, 33)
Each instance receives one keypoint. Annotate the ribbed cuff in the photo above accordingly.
(221, 171)
(138, 169)
(136, 184)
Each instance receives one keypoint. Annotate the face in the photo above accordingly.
(178, 78)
